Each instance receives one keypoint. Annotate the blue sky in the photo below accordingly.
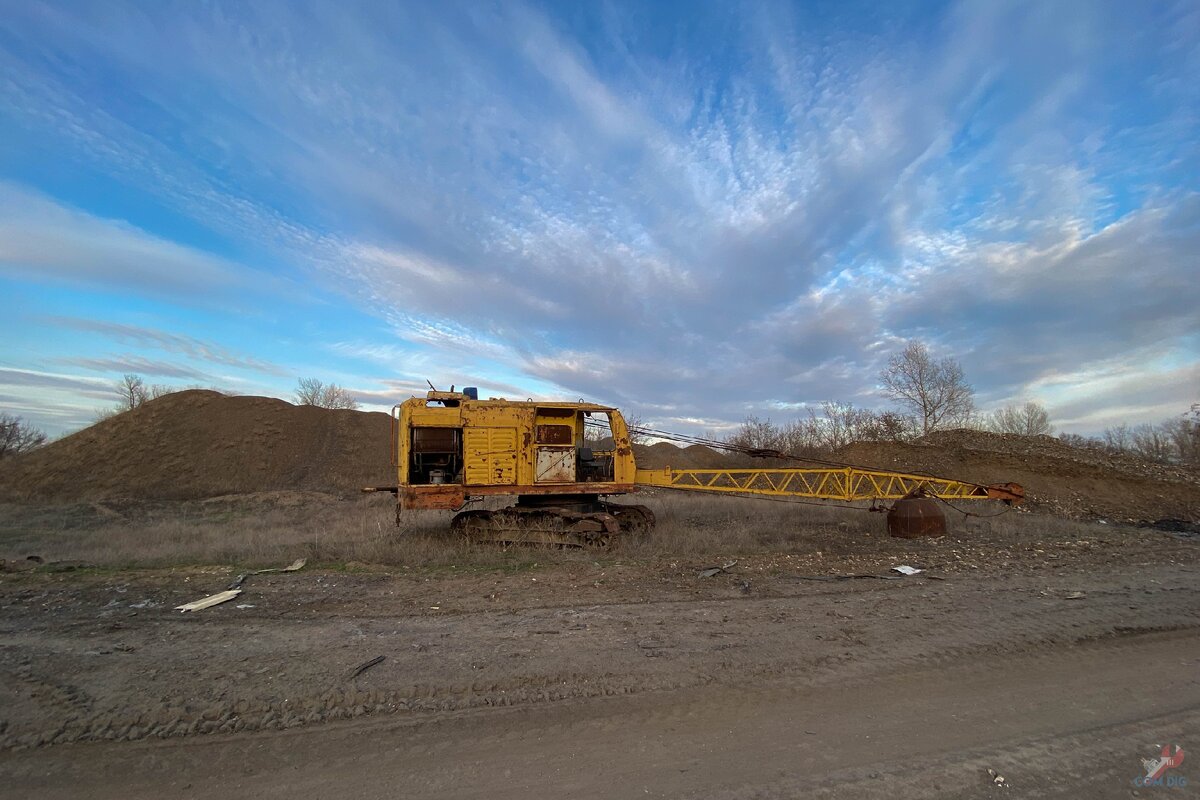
(694, 211)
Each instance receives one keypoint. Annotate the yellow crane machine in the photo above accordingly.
(451, 448)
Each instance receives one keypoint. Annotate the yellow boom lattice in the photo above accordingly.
(827, 484)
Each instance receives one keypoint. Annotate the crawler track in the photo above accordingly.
(554, 525)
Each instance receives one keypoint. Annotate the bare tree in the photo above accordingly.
(891, 426)
(598, 435)
(1175, 440)
(757, 434)
(1183, 440)
(637, 428)
(1152, 442)
(935, 390)
(1119, 438)
(1082, 442)
(820, 433)
(1030, 419)
(1185, 435)
(133, 392)
(18, 436)
(313, 392)
(839, 424)
(309, 391)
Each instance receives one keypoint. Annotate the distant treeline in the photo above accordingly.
(834, 425)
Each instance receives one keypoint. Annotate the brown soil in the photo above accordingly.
(1063, 480)
(198, 443)
(665, 454)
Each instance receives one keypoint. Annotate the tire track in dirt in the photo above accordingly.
(1017, 713)
(1097, 762)
(809, 640)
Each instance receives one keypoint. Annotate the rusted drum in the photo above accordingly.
(913, 517)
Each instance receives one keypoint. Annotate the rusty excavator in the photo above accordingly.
(451, 449)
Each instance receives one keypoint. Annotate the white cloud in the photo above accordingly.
(751, 222)
(178, 343)
(138, 365)
(44, 240)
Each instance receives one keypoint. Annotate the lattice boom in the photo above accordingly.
(832, 484)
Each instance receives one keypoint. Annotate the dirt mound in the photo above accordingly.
(705, 457)
(197, 444)
(1048, 447)
(665, 454)
(1057, 478)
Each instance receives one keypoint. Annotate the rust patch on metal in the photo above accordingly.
(1011, 493)
(916, 516)
(555, 434)
(445, 497)
(555, 465)
(555, 488)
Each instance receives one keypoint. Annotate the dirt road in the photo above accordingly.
(1067, 724)
(607, 681)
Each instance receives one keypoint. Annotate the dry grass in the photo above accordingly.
(705, 524)
(255, 530)
(274, 528)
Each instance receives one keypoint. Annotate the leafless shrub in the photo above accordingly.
(1184, 433)
(839, 424)
(636, 426)
(314, 392)
(1118, 438)
(1082, 442)
(597, 433)
(822, 432)
(18, 436)
(758, 434)
(134, 392)
(1030, 419)
(1173, 441)
(1152, 443)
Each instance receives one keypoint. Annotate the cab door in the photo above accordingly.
(554, 439)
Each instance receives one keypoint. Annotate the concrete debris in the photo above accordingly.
(711, 571)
